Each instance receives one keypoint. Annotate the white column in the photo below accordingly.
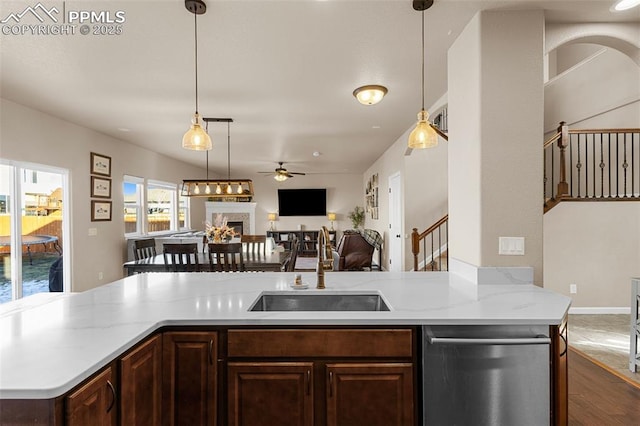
(495, 138)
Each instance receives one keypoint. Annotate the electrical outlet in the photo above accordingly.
(100, 276)
(573, 288)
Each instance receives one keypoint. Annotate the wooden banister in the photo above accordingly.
(417, 237)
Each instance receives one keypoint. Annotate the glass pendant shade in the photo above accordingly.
(280, 178)
(196, 138)
(423, 136)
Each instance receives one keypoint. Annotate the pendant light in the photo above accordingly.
(196, 138)
(219, 189)
(423, 136)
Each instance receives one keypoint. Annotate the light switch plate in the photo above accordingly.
(93, 232)
(511, 246)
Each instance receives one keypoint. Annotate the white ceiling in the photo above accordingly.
(283, 70)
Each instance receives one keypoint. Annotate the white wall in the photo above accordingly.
(606, 84)
(344, 192)
(595, 245)
(32, 136)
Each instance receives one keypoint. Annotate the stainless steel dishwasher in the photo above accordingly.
(486, 375)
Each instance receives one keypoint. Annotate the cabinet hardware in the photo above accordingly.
(211, 352)
(541, 340)
(330, 384)
(113, 395)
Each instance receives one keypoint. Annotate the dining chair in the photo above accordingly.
(226, 257)
(290, 266)
(143, 249)
(254, 244)
(184, 257)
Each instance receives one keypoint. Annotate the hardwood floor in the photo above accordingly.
(599, 397)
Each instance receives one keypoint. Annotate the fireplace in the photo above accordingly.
(236, 213)
(237, 226)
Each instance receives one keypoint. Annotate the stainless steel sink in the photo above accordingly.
(286, 301)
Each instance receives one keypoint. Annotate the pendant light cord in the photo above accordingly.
(207, 151)
(195, 19)
(422, 60)
(228, 152)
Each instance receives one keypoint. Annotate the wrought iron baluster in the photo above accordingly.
(544, 176)
(593, 165)
(570, 168)
(601, 168)
(586, 166)
(440, 248)
(552, 173)
(578, 166)
(617, 165)
(625, 164)
(431, 263)
(609, 153)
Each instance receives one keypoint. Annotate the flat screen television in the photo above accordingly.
(302, 202)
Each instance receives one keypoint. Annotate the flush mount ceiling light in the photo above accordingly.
(370, 95)
(423, 136)
(625, 5)
(219, 189)
(196, 138)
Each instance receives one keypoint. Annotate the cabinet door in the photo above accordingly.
(94, 403)
(270, 393)
(559, 375)
(189, 378)
(370, 394)
(141, 384)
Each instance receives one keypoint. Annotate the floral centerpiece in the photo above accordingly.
(219, 231)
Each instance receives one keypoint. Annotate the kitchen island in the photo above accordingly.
(50, 347)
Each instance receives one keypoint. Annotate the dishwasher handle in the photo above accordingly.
(539, 340)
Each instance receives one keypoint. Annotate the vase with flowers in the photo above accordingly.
(219, 231)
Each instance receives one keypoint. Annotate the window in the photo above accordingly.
(161, 207)
(183, 213)
(133, 202)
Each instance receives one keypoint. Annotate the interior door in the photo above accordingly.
(395, 259)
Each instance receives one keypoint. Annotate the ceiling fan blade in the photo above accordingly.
(297, 173)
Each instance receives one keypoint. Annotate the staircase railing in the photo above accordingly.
(591, 165)
(434, 242)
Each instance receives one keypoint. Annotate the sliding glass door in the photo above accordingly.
(33, 230)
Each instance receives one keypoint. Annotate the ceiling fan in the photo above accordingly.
(281, 174)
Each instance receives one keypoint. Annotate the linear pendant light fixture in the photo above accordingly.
(219, 189)
(423, 136)
(196, 138)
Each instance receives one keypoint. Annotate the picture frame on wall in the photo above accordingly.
(100, 211)
(100, 187)
(100, 164)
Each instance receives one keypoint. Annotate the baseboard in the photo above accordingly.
(599, 310)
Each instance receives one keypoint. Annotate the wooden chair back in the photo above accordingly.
(291, 263)
(143, 249)
(254, 244)
(226, 257)
(183, 257)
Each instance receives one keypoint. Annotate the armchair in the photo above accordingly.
(354, 252)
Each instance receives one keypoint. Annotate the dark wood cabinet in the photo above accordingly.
(559, 374)
(348, 376)
(94, 403)
(141, 384)
(190, 378)
(370, 394)
(270, 393)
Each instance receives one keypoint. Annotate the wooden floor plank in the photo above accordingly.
(599, 397)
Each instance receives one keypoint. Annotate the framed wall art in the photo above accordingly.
(100, 187)
(100, 211)
(100, 164)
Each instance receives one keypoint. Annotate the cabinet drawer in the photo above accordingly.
(320, 343)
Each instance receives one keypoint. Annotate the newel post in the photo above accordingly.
(415, 247)
(563, 143)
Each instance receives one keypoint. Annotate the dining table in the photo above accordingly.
(271, 261)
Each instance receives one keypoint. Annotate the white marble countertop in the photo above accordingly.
(53, 342)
